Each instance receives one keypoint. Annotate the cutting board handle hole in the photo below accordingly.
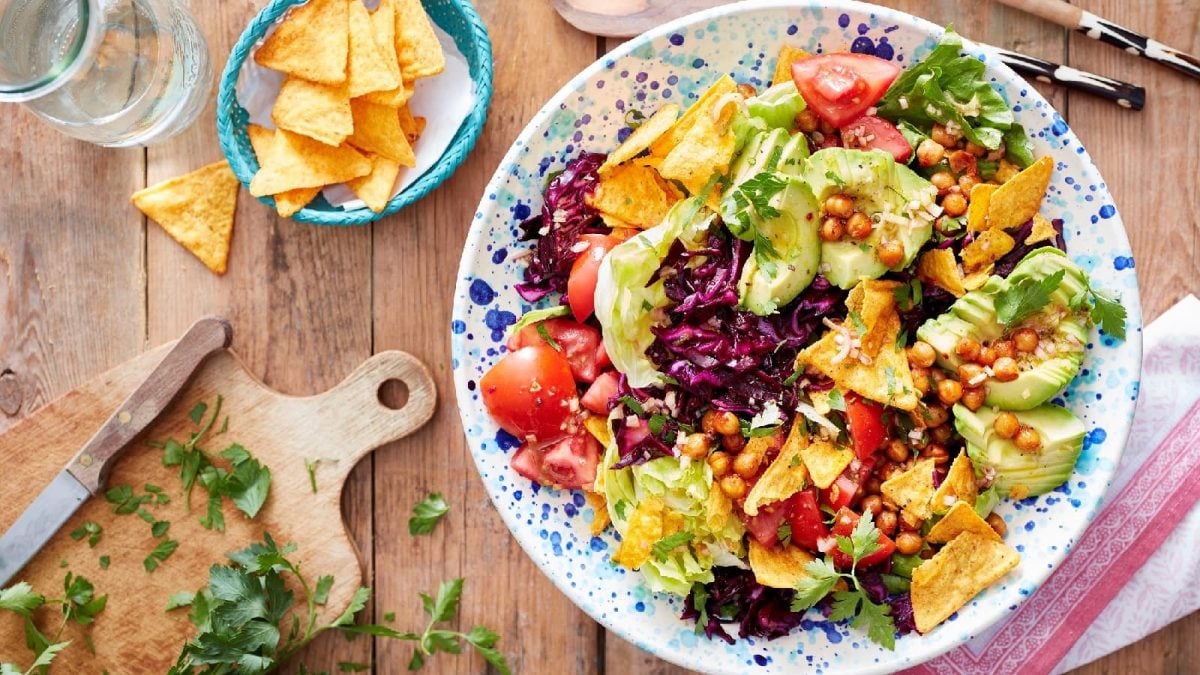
(393, 394)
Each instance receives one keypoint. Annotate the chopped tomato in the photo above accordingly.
(840, 87)
(578, 342)
(843, 526)
(581, 284)
(804, 515)
(875, 133)
(566, 463)
(603, 390)
(845, 489)
(765, 526)
(867, 431)
(529, 392)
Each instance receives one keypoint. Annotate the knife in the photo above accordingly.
(87, 473)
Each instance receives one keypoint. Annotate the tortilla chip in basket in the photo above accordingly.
(417, 47)
(413, 126)
(287, 203)
(300, 162)
(312, 42)
(319, 111)
(377, 129)
(370, 66)
(946, 582)
(196, 209)
(375, 188)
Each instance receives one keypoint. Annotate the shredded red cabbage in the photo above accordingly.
(565, 215)
(735, 597)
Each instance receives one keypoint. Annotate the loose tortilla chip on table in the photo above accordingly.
(912, 490)
(701, 108)
(958, 486)
(312, 42)
(196, 209)
(369, 67)
(1043, 230)
(650, 522)
(946, 582)
(319, 111)
(377, 129)
(784, 477)
(288, 203)
(981, 196)
(633, 194)
(642, 137)
(960, 518)
(300, 162)
(375, 188)
(826, 461)
(783, 67)
(1021, 196)
(991, 245)
(938, 267)
(780, 566)
(417, 47)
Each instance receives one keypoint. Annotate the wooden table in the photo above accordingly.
(86, 282)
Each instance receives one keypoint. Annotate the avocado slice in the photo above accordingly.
(777, 106)
(879, 185)
(974, 316)
(786, 251)
(1014, 471)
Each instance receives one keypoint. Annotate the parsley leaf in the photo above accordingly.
(90, 529)
(311, 467)
(835, 178)
(836, 400)
(20, 598)
(160, 554)
(876, 618)
(816, 585)
(1109, 314)
(751, 201)
(663, 547)
(1020, 300)
(785, 534)
(427, 513)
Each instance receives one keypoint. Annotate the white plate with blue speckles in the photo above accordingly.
(674, 63)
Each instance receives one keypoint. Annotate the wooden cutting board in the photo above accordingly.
(134, 634)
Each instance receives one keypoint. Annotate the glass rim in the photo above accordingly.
(85, 42)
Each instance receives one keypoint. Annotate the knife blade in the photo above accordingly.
(87, 473)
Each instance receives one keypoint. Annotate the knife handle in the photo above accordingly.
(93, 462)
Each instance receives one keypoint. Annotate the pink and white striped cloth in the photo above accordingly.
(1137, 567)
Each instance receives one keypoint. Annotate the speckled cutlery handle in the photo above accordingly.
(1123, 94)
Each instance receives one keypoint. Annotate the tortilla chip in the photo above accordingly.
(377, 129)
(912, 490)
(642, 137)
(369, 66)
(937, 266)
(978, 278)
(598, 427)
(1043, 230)
(197, 210)
(650, 522)
(718, 511)
(874, 303)
(958, 486)
(290, 202)
(702, 108)
(825, 461)
(987, 248)
(981, 196)
(1005, 171)
(783, 67)
(393, 98)
(601, 519)
(417, 47)
(784, 477)
(375, 188)
(319, 111)
(779, 566)
(413, 127)
(1021, 196)
(946, 582)
(312, 42)
(705, 150)
(632, 194)
(960, 518)
(300, 162)
(383, 29)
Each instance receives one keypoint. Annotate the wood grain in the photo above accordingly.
(336, 429)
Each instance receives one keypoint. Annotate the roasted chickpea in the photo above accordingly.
(942, 180)
(733, 442)
(872, 486)
(886, 522)
(747, 90)
(961, 162)
(949, 391)
(937, 452)
(733, 486)
(1025, 340)
(872, 504)
(1003, 348)
(921, 381)
(987, 356)
(1028, 440)
(997, 523)
(839, 205)
(697, 445)
(930, 152)
(968, 372)
(832, 229)
(967, 183)
(1005, 369)
(974, 397)
(720, 463)
(968, 349)
(936, 415)
(897, 451)
(890, 252)
(1006, 425)
(943, 137)
(922, 354)
(954, 205)
(747, 464)
(941, 433)
(977, 150)
(859, 225)
(937, 375)
(826, 128)
(908, 543)
(806, 121)
(720, 422)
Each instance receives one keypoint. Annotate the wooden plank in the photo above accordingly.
(416, 258)
(298, 296)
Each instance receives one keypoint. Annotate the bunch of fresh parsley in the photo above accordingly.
(79, 604)
(854, 603)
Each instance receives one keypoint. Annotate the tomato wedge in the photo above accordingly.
(875, 133)
(846, 487)
(580, 344)
(529, 393)
(840, 87)
(843, 526)
(804, 515)
(867, 431)
(765, 526)
(581, 284)
(566, 463)
(603, 390)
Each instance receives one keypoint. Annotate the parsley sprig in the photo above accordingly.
(1108, 313)
(854, 603)
(79, 604)
(427, 513)
(1020, 300)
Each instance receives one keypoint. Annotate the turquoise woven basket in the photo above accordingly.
(457, 17)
